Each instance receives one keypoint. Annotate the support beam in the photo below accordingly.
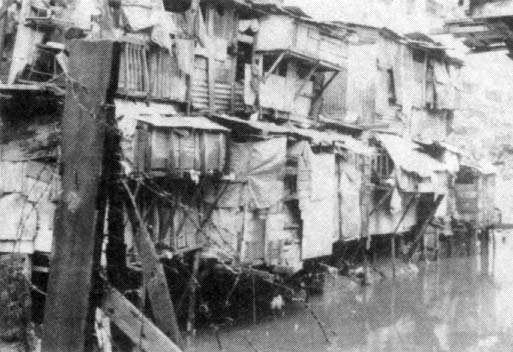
(420, 234)
(193, 283)
(76, 235)
(381, 201)
(274, 66)
(154, 277)
(324, 87)
(327, 84)
(138, 328)
(394, 234)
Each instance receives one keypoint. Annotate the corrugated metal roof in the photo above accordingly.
(481, 166)
(408, 156)
(326, 138)
(162, 115)
(196, 122)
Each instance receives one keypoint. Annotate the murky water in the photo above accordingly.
(459, 304)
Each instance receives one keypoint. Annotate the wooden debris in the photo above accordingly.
(138, 328)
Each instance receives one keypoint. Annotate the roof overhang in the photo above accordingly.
(483, 34)
(323, 64)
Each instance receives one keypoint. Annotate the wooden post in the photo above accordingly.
(69, 306)
(191, 316)
(154, 277)
(253, 297)
(410, 203)
(437, 246)
(3, 27)
(494, 251)
(424, 248)
(116, 248)
(392, 243)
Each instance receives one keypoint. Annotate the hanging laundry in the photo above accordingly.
(164, 26)
(185, 55)
(396, 201)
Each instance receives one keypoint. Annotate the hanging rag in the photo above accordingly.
(185, 55)
(162, 30)
(196, 25)
(395, 201)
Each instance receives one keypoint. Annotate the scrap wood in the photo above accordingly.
(135, 325)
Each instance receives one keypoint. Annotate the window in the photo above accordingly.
(392, 99)
(133, 70)
(381, 165)
(219, 22)
(303, 70)
(430, 87)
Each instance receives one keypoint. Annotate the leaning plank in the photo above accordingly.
(153, 275)
(139, 329)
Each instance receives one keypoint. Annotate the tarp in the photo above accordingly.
(258, 169)
(408, 156)
(350, 206)
(28, 192)
(318, 208)
(443, 86)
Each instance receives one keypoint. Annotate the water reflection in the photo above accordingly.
(458, 304)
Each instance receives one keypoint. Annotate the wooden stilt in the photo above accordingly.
(191, 316)
(424, 247)
(437, 246)
(253, 293)
(494, 251)
(392, 244)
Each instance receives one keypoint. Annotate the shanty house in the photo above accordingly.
(407, 85)
(289, 72)
(475, 194)
(405, 90)
(484, 24)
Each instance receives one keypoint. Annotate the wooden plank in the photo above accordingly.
(138, 328)
(191, 316)
(76, 237)
(154, 277)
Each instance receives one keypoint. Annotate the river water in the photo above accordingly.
(456, 304)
